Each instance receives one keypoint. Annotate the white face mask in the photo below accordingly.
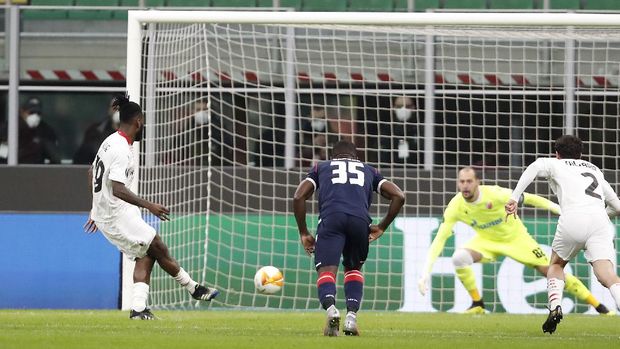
(318, 125)
(33, 120)
(201, 117)
(403, 113)
(116, 117)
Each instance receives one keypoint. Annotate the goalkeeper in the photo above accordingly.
(482, 208)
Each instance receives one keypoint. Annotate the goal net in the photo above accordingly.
(240, 105)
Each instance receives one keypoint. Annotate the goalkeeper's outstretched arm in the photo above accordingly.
(541, 202)
(443, 234)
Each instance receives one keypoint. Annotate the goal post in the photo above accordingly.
(239, 104)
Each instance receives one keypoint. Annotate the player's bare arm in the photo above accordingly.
(90, 226)
(303, 193)
(396, 196)
(120, 191)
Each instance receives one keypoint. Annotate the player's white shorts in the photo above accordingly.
(589, 231)
(129, 233)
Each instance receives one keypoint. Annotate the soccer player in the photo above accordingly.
(482, 208)
(115, 212)
(584, 224)
(344, 185)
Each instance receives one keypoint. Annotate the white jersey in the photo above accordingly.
(114, 162)
(578, 184)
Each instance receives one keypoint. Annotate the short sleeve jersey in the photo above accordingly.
(345, 186)
(578, 184)
(114, 162)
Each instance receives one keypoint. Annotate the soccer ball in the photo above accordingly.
(268, 280)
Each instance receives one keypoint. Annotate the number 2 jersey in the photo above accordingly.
(578, 184)
(114, 162)
(345, 186)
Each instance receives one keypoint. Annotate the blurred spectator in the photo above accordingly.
(95, 135)
(325, 127)
(193, 137)
(400, 145)
(38, 142)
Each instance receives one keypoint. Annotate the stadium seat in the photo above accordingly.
(325, 5)
(512, 4)
(93, 14)
(187, 3)
(296, 4)
(418, 5)
(465, 4)
(371, 5)
(611, 5)
(564, 4)
(233, 3)
(46, 14)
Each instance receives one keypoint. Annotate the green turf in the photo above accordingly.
(298, 330)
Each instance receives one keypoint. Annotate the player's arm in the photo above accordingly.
(302, 194)
(90, 226)
(443, 234)
(396, 196)
(537, 168)
(540, 202)
(611, 199)
(122, 192)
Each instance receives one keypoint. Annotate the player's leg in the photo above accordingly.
(142, 280)
(159, 251)
(475, 250)
(555, 286)
(328, 248)
(354, 255)
(525, 250)
(600, 252)
(606, 274)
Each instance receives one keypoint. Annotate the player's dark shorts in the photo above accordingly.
(341, 234)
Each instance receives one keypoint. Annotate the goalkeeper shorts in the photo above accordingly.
(522, 248)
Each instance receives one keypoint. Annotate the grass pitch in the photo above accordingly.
(299, 330)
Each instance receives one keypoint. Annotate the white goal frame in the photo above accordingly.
(136, 19)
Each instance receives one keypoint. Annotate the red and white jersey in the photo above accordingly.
(114, 162)
(578, 184)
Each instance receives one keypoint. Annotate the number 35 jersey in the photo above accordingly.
(578, 184)
(345, 186)
(114, 162)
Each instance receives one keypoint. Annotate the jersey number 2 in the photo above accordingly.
(590, 190)
(342, 173)
(99, 170)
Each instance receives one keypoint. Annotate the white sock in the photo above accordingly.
(140, 296)
(186, 281)
(555, 287)
(615, 292)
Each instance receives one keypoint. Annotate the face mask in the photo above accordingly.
(33, 120)
(116, 117)
(403, 113)
(318, 125)
(403, 149)
(201, 117)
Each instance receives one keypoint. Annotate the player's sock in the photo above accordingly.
(353, 289)
(615, 292)
(185, 280)
(577, 288)
(468, 279)
(140, 295)
(555, 287)
(326, 285)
